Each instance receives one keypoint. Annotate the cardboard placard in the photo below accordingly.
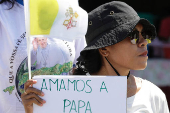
(82, 94)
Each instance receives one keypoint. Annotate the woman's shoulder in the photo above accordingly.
(8, 13)
(157, 97)
(154, 91)
(151, 85)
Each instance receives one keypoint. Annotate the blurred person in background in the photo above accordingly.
(13, 55)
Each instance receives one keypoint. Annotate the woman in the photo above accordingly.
(116, 42)
(13, 55)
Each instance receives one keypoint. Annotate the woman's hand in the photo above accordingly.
(30, 96)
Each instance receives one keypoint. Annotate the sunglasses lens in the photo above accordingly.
(134, 37)
(133, 41)
(149, 41)
(147, 35)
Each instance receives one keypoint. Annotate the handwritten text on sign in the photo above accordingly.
(80, 94)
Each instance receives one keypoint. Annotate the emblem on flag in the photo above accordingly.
(71, 22)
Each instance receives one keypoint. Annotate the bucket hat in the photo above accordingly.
(111, 23)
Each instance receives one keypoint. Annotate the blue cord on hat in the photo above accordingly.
(115, 69)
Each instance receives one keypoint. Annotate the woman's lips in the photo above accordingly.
(144, 53)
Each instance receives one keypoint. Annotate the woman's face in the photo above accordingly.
(128, 55)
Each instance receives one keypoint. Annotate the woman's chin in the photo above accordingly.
(141, 66)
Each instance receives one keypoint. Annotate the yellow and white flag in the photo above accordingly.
(63, 19)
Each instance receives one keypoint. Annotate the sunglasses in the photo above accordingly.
(134, 36)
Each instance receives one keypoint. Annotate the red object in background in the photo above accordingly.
(166, 90)
(167, 52)
(164, 31)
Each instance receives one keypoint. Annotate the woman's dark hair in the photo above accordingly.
(12, 2)
(91, 63)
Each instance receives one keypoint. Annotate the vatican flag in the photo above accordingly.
(63, 19)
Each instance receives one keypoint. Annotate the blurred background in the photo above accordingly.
(158, 13)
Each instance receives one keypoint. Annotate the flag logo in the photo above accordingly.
(71, 22)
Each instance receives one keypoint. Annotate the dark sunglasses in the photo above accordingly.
(134, 36)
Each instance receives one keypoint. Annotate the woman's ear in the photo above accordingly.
(104, 51)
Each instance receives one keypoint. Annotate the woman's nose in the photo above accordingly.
(142, 42)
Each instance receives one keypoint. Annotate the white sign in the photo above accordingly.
(82, 94)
